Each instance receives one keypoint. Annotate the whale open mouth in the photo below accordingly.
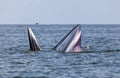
(71, 42)
(32, 41)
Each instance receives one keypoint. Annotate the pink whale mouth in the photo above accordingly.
(71, 42)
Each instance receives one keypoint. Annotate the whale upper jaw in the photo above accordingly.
(71, 42)
(32, 41)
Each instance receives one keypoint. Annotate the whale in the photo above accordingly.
(33, 43)
(70, 42)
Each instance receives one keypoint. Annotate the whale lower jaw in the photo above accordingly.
(32, 41)
(71, 42)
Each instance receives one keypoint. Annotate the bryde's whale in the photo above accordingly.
(71, 42)
(32, 41)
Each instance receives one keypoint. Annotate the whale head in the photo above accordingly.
(32, 41)
(71, 42)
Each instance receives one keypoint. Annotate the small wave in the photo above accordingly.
(30, 77)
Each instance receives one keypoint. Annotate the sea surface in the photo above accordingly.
(100, 57)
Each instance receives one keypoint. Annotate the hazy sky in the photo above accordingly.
(60, 11)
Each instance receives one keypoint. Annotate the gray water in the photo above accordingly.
(100, 60)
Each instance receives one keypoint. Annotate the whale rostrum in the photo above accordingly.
(32, 41)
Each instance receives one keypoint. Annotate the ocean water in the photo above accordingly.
(100, 57)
